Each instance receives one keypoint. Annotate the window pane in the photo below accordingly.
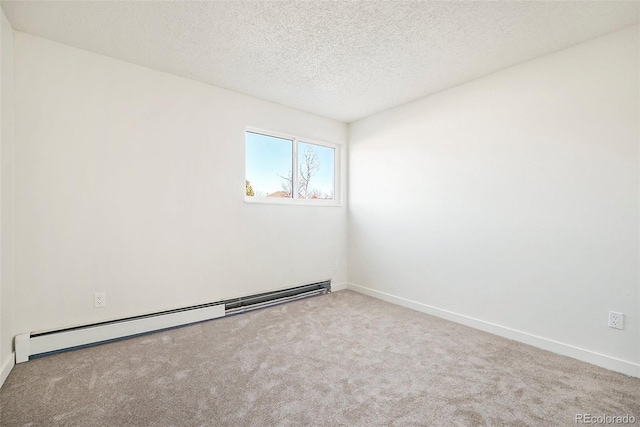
(316, 171)
(269, 162)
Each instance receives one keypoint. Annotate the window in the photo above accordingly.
(271, 160)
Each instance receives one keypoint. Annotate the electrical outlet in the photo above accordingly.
(616, 320)
(99, 300)
(335, 265)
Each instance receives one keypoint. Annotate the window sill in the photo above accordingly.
(287, 201)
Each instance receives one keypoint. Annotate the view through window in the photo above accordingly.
(271, 160)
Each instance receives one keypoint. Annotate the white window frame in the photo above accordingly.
(337, 155)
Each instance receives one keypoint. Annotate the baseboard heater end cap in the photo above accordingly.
(23, 350)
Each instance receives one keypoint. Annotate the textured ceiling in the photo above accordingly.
(343, 60)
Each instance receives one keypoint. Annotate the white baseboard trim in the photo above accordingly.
(6, 367)
(339, 287)
(604, 361)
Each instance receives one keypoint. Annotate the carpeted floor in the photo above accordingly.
(340, 359)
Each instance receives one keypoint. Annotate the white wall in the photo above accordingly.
(512, 200)
(130, 181)
(7, 302)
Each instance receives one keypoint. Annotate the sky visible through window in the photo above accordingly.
(269, 159)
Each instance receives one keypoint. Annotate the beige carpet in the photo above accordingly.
(340, 359)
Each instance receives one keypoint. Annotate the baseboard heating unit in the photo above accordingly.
(36, 344)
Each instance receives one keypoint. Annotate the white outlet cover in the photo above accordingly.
(99, 299)
(616, 320)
